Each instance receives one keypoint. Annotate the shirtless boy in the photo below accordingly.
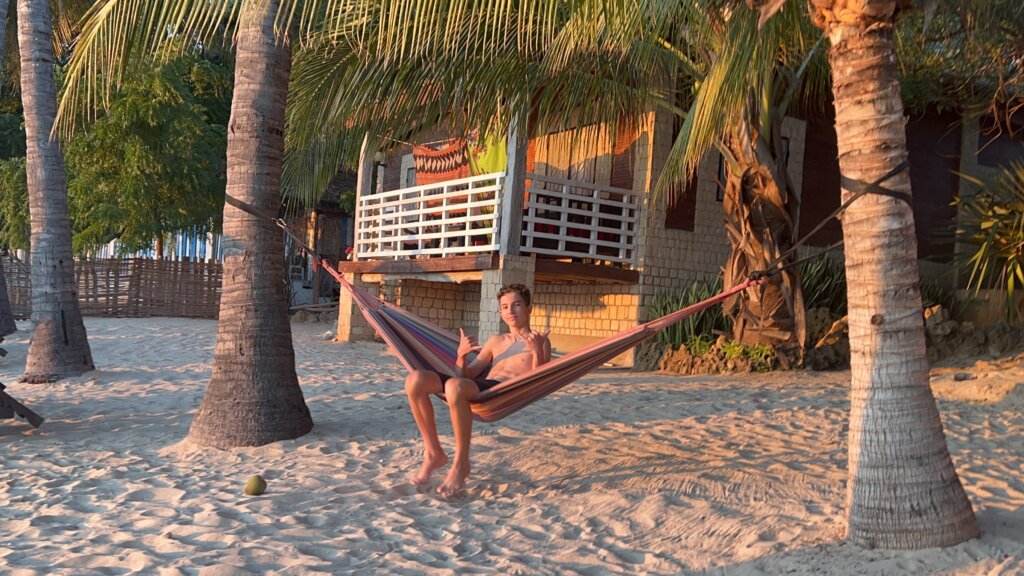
(511, 354)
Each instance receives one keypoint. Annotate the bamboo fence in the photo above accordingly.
(129, 287)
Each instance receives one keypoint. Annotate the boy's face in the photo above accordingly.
(514, 310)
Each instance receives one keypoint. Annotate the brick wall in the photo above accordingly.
(451, 306)
(587, 310)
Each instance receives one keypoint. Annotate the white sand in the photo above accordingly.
(621, 473)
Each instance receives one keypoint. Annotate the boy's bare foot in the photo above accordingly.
(455, 482)
(430, 463)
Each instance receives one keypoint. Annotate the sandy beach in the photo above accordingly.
(620, 473)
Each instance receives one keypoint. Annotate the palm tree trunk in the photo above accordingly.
(59, 346)
(760, 210)
(903, 491)
(254, 396)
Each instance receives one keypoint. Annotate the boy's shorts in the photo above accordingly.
(483, 384)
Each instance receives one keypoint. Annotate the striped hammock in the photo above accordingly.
(422, 345)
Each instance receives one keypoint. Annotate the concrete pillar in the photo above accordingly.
(511, 270)
(352, 326)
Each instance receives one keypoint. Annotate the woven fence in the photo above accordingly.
(129, 288)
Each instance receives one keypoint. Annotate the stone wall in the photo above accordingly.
(587, 310)
(451, 306)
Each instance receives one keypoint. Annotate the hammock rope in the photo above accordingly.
(421, 345)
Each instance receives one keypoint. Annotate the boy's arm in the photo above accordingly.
(479, 364)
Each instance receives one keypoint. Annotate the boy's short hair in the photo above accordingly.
(520, 289)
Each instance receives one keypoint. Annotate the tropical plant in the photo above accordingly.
(903, 491)
(733, 350)
(824, 284)
(253, 397)
(151, 164)
(700, 344)
(992, 225)
(709, 322)
(59, 346)
(12, 136)
(14, 217)
(762, 357)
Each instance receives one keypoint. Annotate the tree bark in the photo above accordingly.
(903, 491)
(760, 215)
(59, 346)
(254, 396)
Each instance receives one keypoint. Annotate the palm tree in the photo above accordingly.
(59, 346)
(903, 491)
(254, 396)
(745, 81)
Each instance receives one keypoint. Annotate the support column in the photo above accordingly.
(511, 270)
(352, 327)
(351, 324)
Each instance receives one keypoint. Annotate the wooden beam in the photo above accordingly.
(472, 276)
(555, 271)
(422, 265)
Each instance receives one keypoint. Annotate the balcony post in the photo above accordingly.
(364, 183)
(511, 217)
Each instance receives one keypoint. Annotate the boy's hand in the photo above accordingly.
(535, 341)
(467, 345)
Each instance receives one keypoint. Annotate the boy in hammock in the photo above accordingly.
(508, 355)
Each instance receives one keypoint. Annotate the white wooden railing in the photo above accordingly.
(561, 218)
(581, 221)
(453, 217)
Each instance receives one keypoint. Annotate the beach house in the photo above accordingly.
(570, 213)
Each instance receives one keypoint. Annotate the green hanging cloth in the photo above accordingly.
(487, 153)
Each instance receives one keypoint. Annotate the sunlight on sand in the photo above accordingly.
(622, 473)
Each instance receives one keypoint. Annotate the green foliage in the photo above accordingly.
(733, 350)
(824, 284)
(14, 222)
(347, 201)
(699, 344)
(12, 136)
(942, 294)
(967, 59)
(992, 224)
(152, 164)
(761, 356)
(704, 323)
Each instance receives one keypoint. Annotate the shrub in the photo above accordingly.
(992, 225)
(699, 344)
(705, 323)
(824, 284)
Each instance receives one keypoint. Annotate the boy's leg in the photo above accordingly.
(419, 385)
(458, 392)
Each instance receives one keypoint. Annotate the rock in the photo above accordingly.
(962, 376)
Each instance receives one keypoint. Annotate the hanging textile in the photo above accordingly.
(487, 153)
(434, 166)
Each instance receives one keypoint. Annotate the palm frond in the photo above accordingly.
(113, 31)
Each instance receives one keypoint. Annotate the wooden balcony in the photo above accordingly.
(459, 222)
